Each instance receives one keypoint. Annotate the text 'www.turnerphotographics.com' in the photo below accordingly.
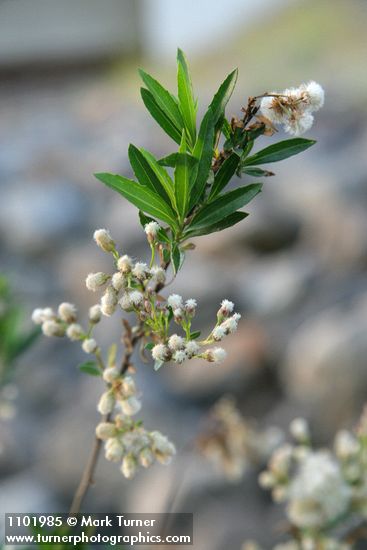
(112, 529)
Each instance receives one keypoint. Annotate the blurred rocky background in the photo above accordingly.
(296, 269)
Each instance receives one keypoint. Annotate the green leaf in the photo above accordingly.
(165, 101)
(162, 175)
(144, 219)
(149, 346)
(195, 335)
(182, 179)
(203, 151)
(226, 129)
(145, 173)
(229, 221)
(177, 258)
(160, 116)
(90, 367)
(224, 205)
(185, 96)
(142, 197)
(158, 365)
(223, 95)
(224, 174)
(169, 160)
(280, 151)
(256, 172)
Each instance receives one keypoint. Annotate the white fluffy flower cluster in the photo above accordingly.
(178, 349)
(64, 323)
(293, 107)
(127, 441)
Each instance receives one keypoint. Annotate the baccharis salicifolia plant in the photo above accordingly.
(179, 197)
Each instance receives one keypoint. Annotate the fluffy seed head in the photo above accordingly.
(95, 280)
(216, 355)
(316, 95)
(48, 314)
(136, 297)
(299, 429)
(114, 450)
(226, 307)
(67, 312)
(178, 314)
(37, 316)
(128, 386)
(230, 325)
(118, 281)
(175, 301)
(124, 264)
(219, 333)
(106, 403)
(160, 352)
(89, 345)
(74, 332)
(158, 274)
(146, 457)
(125, 302)
(105, 430)
(298, 123)
(192, 348)
(104, 240)
(176, 342)
(151, 229)
(95, 313)
(190, 306)
(130, 406)
(53, 328)
(109, 301)
(162, 448)
(179, 356)
(140, 270)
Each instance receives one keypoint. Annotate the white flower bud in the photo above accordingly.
(111, 374)
(95, 313)
(105, 430)
(140, 270)
(128, 466)
(146, 457)
(74, 332)
(48, 314)
(37, 316)
(192, 348)
(179, 356)
(67, 312)
(114, 450)
(53, 328)
(95, 280)
(160, 352)
(299, 429)
(175, 301)
(162, 448)
(176, 342)
(124, 264)
(118, 281)
(106, 403)
(104, 240)
(151, 229)
(136, 298)
(89, 345)
(158, 274)
(130, 406)
(219, 333)
(109, 302)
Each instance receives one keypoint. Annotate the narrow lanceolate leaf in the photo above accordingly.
(256, 172)
(171, 160)
(223, 95)
(161, 174)
(139, 195)
(145, 174)
(228, 221)
(91, 368)
(224, 174)
(182, 175)
(185, 95)
(280, 151)
(165, 101)
(224, 205)
(203, 152)
(160, 116)
(177, 258)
